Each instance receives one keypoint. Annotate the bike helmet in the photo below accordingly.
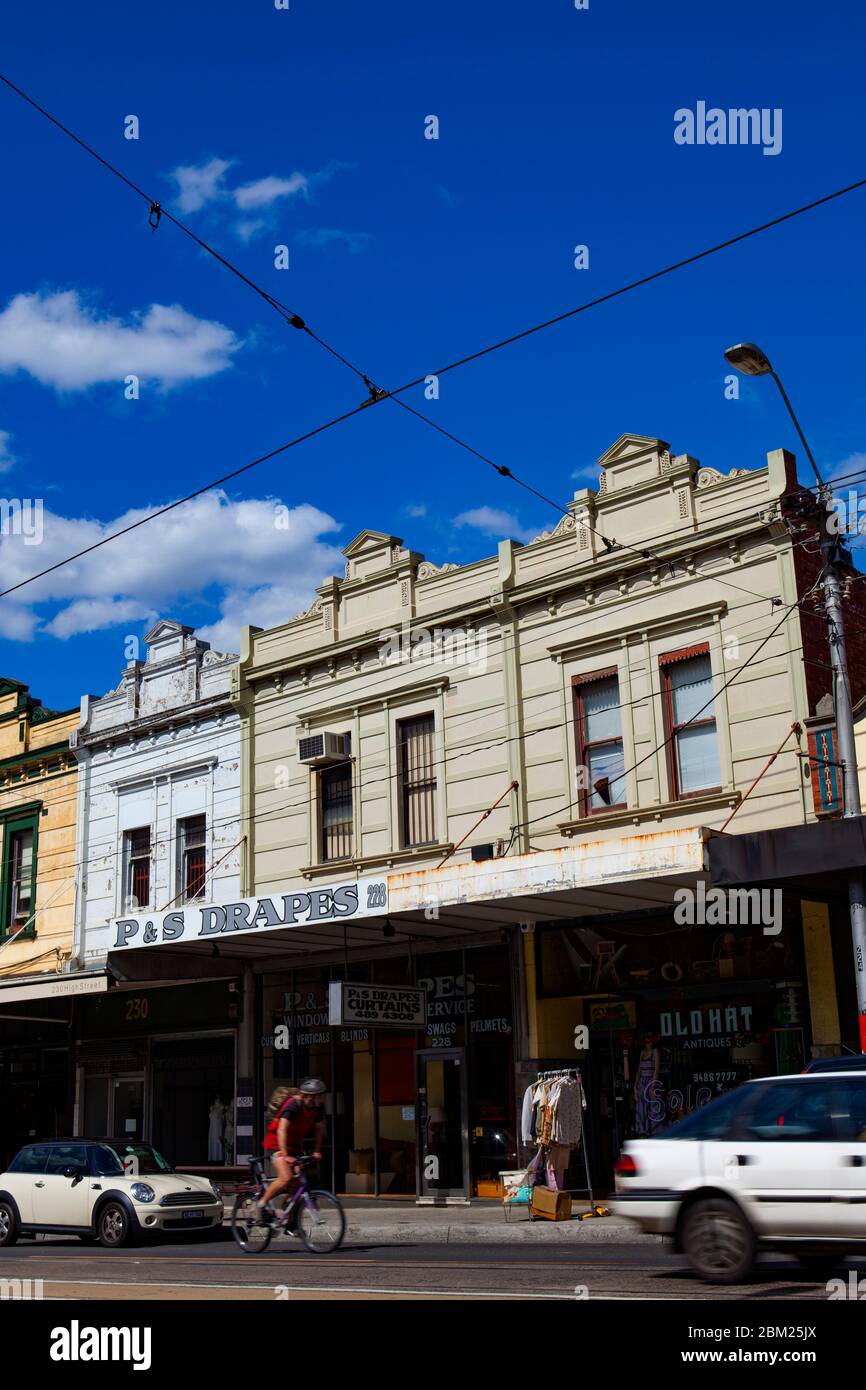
(313, 1086)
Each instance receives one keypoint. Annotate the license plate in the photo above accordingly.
(186, 1214)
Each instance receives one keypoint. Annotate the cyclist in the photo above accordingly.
(285, 1136)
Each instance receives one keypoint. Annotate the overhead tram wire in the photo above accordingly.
(375, 394)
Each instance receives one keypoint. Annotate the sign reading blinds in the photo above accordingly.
(383, 1004)
(213, 921)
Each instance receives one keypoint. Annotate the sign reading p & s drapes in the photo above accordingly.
(294, 908)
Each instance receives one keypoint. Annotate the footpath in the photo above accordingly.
(481, 1223)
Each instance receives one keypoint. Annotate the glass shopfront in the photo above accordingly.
(412, 1111)
(676, 1016)
(159, 1064)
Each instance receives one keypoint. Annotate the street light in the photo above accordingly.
(749, 359)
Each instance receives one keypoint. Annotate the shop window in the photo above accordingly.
(19, 878)
(335, 799)
(415, 741)
(192, 854)
(690, 721)
(600, 759)
(136, 844)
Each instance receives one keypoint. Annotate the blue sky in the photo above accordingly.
(306, 128)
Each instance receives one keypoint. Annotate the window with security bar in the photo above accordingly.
(415, 739)
(335, 799)
(137, 856)
(192, 856)
(690, 721)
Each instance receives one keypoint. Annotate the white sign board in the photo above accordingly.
(295, 907)
(389, 1005)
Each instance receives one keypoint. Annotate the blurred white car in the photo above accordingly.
(110, 1190)
(778, 1164)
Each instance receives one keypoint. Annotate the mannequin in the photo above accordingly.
(215, 1131)
(648, 1109)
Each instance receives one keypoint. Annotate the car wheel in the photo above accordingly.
(8, 1224)
(718, 1241)
(113, 1226)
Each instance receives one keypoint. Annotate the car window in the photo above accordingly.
(806, 1112)
(30, 1159)
(147, 1159)
(850, 1108)
(104, 1162)
(711, 1121)
(62, 1156)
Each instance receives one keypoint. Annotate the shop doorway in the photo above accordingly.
(443, 1125)
(114, 1106)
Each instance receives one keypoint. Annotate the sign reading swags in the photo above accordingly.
(290, 909)
(385, 1004)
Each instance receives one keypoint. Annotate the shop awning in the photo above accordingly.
(817, 852)
(53, 987)
(451, 905)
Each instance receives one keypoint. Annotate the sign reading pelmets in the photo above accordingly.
(211, 921)
(384, 1004)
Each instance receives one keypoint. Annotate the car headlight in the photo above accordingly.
(142, 1192)
(216, 1192)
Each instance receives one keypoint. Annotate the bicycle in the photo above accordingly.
(311, 1213)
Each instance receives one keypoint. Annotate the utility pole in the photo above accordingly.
(748, 358)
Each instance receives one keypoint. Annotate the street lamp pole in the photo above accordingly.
(748, 358)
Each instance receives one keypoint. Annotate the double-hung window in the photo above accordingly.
(137, 869)
(19, 878)
(416, 742)
(192, 856)
(601, 765)
(690, 721)
(335, 798)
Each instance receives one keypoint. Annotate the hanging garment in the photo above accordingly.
(567, 1125)
(556, 1163)
(527, 1129)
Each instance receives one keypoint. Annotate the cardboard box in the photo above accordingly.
(551, 1205)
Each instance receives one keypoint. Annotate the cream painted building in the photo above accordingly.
(515, 666)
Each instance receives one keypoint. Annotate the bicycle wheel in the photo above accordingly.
(320, 1221)
(252, 1234)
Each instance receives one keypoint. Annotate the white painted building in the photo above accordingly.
(158, 788)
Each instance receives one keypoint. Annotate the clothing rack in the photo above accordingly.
(577, 1073)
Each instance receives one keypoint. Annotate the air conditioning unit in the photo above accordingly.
(324, 747)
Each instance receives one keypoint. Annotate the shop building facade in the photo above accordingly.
(38, 778)
(490, 782)
(158, 828)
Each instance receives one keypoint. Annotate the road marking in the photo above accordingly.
(95, 1289)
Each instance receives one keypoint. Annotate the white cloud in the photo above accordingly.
(203, 185)
(65, 344)
(199, 184)
(854, 463)
(263, 192)
(416, 510)
(491, 521)
(210, 550)
(7, 458)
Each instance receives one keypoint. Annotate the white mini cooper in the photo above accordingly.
(111, 1190)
